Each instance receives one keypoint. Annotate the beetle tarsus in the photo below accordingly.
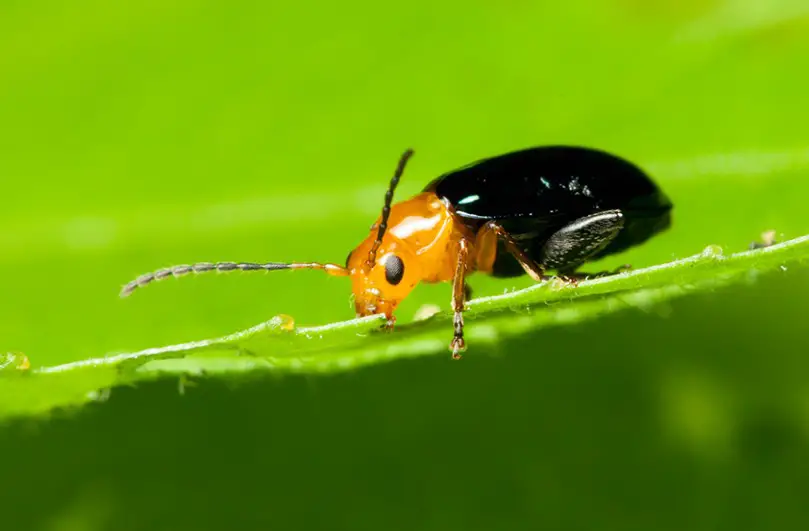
(599, 274)
(389, 324)
(571, 279)
(457, 346)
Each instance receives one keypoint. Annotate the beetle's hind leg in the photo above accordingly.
(577, 242)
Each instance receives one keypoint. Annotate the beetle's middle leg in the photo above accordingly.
(487, 238)
(575, 243)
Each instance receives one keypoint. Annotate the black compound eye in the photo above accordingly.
(349, 257)
(394, 269)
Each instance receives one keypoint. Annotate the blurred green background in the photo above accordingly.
(139, 135)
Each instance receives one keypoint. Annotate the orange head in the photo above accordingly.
(379, 286)
(410, 242)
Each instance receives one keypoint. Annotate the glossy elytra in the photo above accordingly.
(529, 211)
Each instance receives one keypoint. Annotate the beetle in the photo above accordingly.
(530, 211)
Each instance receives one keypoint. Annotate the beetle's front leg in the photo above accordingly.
(458, 344)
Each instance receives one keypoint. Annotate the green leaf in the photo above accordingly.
(277, 346)
(137, 135)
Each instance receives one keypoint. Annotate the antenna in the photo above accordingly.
(204, 267)
(383, 224)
